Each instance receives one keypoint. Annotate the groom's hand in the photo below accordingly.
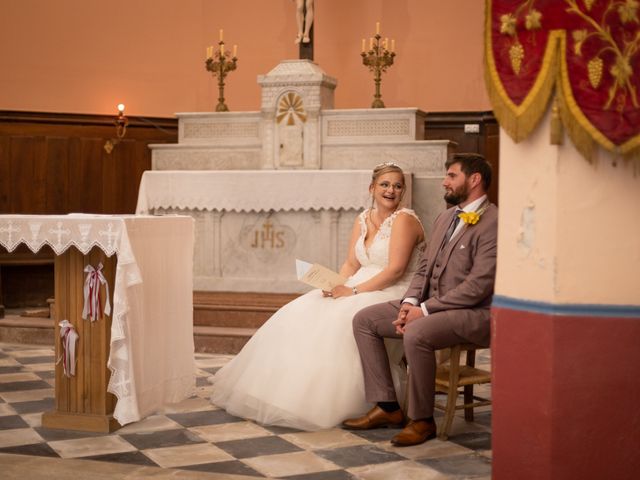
(407, 314)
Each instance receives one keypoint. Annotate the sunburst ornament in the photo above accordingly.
(290, 106)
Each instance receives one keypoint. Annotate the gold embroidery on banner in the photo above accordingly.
(579, 36)
(628, 11)
(509, 26)
(532, 20)
(621, 70)
(519, 120)
(516, 54)
(595, 72)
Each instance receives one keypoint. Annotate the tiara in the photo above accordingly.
(386, 164)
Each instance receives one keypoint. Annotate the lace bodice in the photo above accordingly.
(378, 252)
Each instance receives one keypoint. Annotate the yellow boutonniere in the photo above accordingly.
(471, 218)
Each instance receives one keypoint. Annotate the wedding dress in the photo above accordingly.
(302, 369)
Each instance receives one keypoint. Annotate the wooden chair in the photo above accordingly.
(450, 377)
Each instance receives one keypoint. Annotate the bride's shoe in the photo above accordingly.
(375, 418)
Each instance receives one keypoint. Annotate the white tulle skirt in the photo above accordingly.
(302, 368)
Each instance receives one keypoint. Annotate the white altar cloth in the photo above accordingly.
(256, 190)
(152, 354)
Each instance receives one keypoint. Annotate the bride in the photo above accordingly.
(302, 369)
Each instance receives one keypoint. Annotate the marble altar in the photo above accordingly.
(251, 225)
(296, 129)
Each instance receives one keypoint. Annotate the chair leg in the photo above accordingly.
(468, 389)
(452, 394)
(468, 399)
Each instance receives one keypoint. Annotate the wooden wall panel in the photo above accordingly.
(53, 163)
(451, 126)
(56, 174)
(5, 174)
(27, 179)
(86, 176)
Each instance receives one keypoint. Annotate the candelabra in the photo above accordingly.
(378, 58)
(220, 63)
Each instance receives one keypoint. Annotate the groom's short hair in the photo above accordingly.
(471, 163)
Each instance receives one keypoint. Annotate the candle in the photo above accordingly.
(377, 28)
(221, 34)
(221, 48)
(393, 44)
(386, 44)
(363, 45)
(370, 43)
(235, 51)
(209, 52)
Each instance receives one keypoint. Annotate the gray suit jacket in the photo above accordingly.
(460, 281)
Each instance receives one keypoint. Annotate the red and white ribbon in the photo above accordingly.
(67, 356)
(92, 283)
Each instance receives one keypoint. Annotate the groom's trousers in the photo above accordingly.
(421, 339)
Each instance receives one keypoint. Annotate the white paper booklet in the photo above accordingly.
(317, 275)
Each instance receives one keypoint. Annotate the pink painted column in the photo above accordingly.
(566, 316)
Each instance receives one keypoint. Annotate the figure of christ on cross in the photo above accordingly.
(304, 20)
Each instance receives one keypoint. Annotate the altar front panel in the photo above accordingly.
(256, 251)
(251, 226)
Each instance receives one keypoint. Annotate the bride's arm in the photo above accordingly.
(351, 264)
(406, 232)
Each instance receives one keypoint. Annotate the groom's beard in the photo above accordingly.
(456, 197)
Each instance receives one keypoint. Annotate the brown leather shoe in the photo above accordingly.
(415, 433)
(375, 418)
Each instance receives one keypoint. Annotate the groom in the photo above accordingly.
(446, 304)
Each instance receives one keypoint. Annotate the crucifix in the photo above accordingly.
(304, 20)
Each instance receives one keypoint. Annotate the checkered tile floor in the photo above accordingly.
(196, 436)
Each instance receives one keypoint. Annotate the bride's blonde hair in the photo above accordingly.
(381, 169)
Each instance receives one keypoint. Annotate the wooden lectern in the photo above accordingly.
(147, 263)
(82, 401)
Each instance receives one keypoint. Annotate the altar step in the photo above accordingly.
(223, 322)
(26, 330)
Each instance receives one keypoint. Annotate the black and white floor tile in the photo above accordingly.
(195, 437)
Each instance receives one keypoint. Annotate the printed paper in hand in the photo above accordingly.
(318, 276)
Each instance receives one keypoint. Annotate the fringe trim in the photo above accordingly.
(583, 134)
(557, 129)
(520, 120)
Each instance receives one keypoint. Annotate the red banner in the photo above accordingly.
(586, 51)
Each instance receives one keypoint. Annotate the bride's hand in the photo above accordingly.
(340, 291)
